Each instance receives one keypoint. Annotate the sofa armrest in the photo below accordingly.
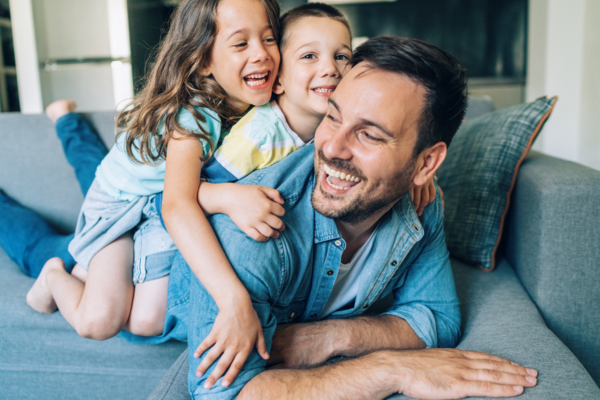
(553, 243)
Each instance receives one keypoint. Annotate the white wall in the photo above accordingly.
(564, 60)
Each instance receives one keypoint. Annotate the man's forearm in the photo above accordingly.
(309, 344)
(367, 377)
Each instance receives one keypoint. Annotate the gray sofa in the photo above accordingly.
(540, 307)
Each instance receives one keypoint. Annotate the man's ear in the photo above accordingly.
(429, 161)
(278, 87)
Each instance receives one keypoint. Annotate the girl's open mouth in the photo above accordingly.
(258, 80)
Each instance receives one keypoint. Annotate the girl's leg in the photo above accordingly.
(82, 146)
(28, 240)
(100, 308)
(149, 308)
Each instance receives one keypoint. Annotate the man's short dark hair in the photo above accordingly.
(442, 75)
(319, 10)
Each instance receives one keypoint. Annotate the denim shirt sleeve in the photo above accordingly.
(427, 298)
(254, 263)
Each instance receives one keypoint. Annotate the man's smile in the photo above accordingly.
(339, 181)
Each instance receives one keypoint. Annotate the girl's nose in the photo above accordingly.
(330, 69)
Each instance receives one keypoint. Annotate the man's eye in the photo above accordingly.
(371, 137)
(309, 56)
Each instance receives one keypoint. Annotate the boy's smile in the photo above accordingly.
(314, 58)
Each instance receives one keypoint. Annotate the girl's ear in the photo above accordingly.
(277, 86)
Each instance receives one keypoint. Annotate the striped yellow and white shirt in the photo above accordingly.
(259, 140)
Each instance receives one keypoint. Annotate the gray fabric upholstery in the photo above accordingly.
(498, 318)
(479, 105)
(554, 244)
(41, 356)
(34, 170)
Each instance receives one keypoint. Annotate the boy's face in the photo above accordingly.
(313, 61)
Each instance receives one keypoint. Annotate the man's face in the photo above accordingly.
(364, 147)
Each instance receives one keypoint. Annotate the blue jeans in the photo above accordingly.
(25, 236)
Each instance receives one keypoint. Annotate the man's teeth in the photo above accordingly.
(322, 90)
(337, 174)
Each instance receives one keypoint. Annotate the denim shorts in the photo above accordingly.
(103, 219)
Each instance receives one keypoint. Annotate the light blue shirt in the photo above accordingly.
(123, 179)
(291, 278)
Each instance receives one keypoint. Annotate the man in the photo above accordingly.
(349, 243)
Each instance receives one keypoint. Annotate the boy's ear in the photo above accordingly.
(277, 86)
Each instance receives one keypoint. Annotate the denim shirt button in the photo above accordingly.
(338, 243)
(366, 306)
(292, 315)
(394, 263)
(330, 272)
(416, 227)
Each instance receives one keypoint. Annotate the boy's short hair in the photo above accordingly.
(319, 10)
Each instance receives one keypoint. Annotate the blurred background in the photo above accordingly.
(97, 51)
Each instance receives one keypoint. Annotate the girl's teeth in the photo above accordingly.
(320, 90)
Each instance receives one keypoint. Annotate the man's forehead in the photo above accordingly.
(388, 98)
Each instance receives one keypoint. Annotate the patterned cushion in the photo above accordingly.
(479, 174)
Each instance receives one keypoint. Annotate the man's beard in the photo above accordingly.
(366, 203)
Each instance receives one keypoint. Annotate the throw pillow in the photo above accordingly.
(479, 174)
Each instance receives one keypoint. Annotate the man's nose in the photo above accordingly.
(338, 144)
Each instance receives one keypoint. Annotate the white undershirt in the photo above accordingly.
(345, 287)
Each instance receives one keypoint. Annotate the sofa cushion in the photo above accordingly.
(42, 357)
(478, 176)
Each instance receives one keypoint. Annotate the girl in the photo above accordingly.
(218, 58)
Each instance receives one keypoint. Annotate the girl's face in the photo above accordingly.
(245, 57)
(314, 59)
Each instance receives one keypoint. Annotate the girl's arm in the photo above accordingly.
(237, 328)
(424, 195)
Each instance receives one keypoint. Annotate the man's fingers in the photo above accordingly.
(475, 355)
(208, 360)
(501, 366)
(489, 389)
(220, 369)
(502, 378)
(234, 369)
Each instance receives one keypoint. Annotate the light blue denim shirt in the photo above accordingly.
(290, 278)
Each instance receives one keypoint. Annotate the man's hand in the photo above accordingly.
(451, 373)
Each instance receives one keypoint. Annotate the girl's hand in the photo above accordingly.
(423, 195)
(255, 210)
(235, 332)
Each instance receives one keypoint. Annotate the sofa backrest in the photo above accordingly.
(34, 170)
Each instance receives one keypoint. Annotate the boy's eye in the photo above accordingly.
(342, 57)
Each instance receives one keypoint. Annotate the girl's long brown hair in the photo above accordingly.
(176, 81)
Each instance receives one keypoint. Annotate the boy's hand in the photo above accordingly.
(423, 195)
(235, 332)
(256, 210)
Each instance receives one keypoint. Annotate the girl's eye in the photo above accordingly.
(309, 56)
(239, 45)
(342, 57)
(270, 40)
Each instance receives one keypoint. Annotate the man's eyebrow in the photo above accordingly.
(364, 121)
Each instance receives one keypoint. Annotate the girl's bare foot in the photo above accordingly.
(39, 297)
(59, 108)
